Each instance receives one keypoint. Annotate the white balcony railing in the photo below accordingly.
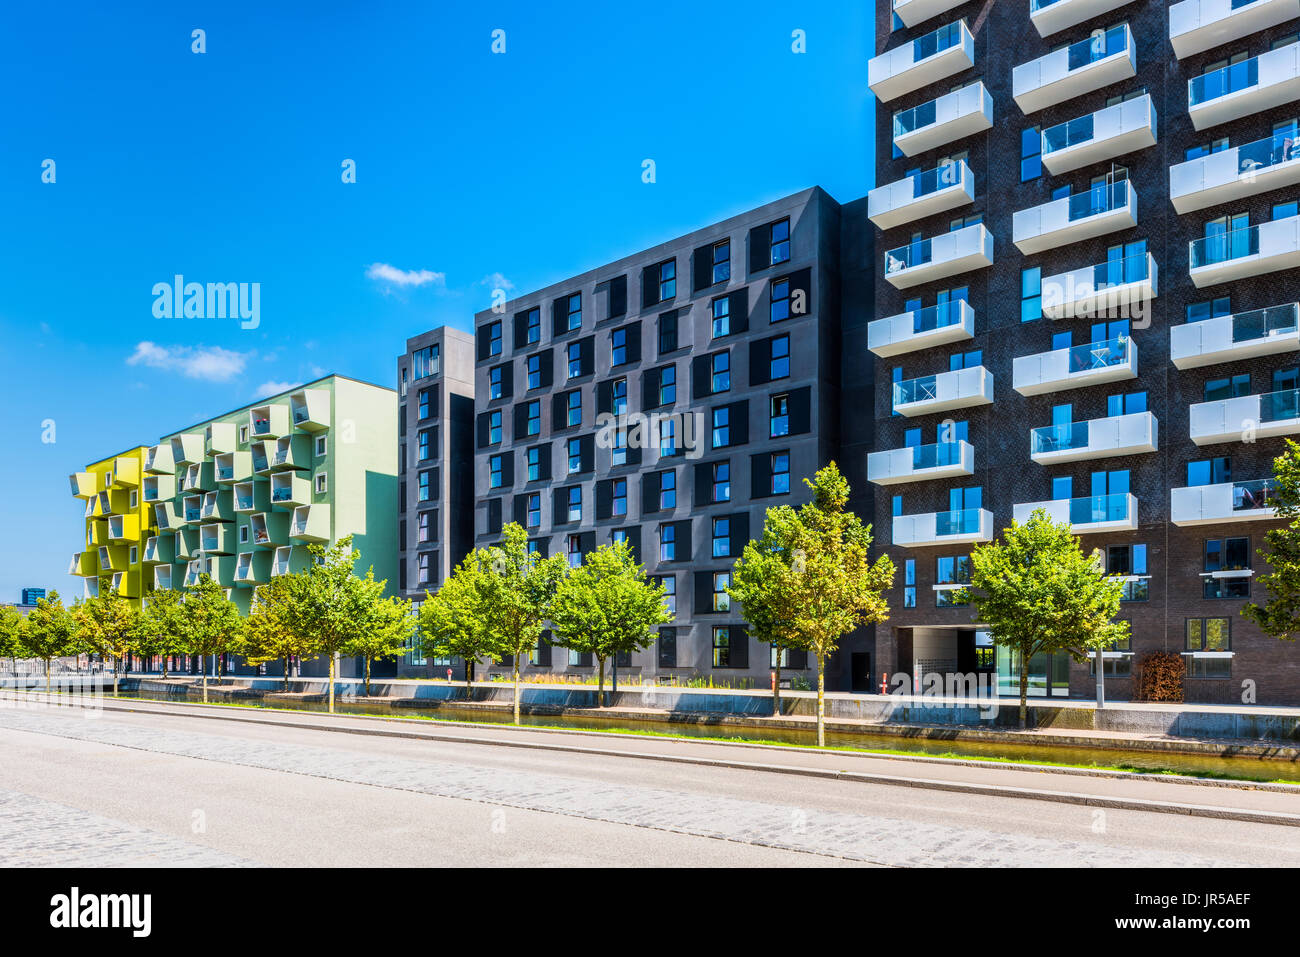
(1100, 60)
(1249, 86)
(1237, 172)
(957, 389)
(1116, 287)
(1249, 251)
(1245, 418)
(1106, 134)
(1199, 25)
(1223, 503)
(914, 12)
(1244, 335)
(1104, 209)
(1089, 514)
(1094, 363)
(1131, 434)
(921, 462)
(937, 325)
(1053, 16)
(939, 190)
(943, 528)
(948, 254)
(918, 63)
(951, 117)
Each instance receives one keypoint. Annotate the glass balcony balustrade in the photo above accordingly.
(1255, 494)
(1263, 323)
(936, 455)
(1099, 199)
(937, 41)
(962, 521)
(1225, 246)
(1099, 508)
(1229, 79)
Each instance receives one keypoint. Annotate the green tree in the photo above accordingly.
(12, 627)
(829, 585)
(51, 632)
(449, 621)
(269, 633)
(213, 625)
(107, 625)
(607, 606)
(385, 626)
(1279, 616)
(162, 624)
(1040, 594)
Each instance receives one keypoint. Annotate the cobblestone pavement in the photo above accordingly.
(858, 837)
(39, 833)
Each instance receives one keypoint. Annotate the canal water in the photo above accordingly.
(697, 725)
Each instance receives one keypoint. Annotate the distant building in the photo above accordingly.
(31, 595)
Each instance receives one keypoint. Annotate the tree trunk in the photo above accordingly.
(115, 662)
(1024, 689)
(165, 659)
(518, 690)
(47, 675)
(776, 689)
(203, 672)
(821, 703)
(286, 673)
(600, 687)
(367, 676)
(331, 693)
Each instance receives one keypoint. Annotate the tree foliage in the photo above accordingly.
(212, 623)
(269, 634)
(51, 632)
(162, 626)
(1279, 616)
(107, 625)
(12, 628)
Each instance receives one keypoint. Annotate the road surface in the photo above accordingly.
(187, 785)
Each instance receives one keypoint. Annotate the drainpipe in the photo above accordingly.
(1101, 680)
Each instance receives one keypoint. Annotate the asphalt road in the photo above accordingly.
(164, 785)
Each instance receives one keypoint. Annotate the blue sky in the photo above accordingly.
(225, 166)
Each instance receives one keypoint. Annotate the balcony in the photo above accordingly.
(928, 59)
(310, 408)
(1245, 335)
(1228, 502)
(125, 584)
(943, 528)
(193, 572)
(221, 570)
(289, 490)
(186, 543)
(1098, 211)
(193, 509)
(958, 389)
(1130, 434)
(262, 453)
(1109, 133)
(219, 438)
(231, 467)
(159, 550)
(1091, 513)
(1053, 16)
(291, 452)
(1235, 173)
(187, 449)
(951, 117)
(938, 325)
(925, 194)
(285, 561)
(198, 477)
(269, 529)
(1072, 71)
(1246, 418)
(83, 484)
(1199, 25)
(97, 532)
(162, 578)
(218, 506)
(253, 568)
(168, 517)
(218, 539)
(158, 460)
(921, 462)
(1112, 288)
(268, 421)
(126, 472)
(311, 523)
(84, 565)
(1249, 251)
(1251, 86)
(124, 528)
(949, 254)
(159, 488)
(912, 12)
(113, 558)
(252, 497)
(1094, 363)
(90, 588)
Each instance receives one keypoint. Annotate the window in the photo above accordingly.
(667, 543)
(618, 450)
(533, 326)
(1031, 294)
(779, 244)
(667, 385)
(721, 600)
(722, 261)
(1129, 562)
(573, 409)
(1228, 387)
(721, 537)
(721, 487)
(133, 553)
(721, 427)
(1227, 555)
(425, 491)
(535, 371)
(534, 464)
(668, 489)
(425, 362)
(424, 530)
(534, 418)
(424, 567)
(780, 473)
(909, 583)
(533, 510)
(134, 498)
(425, 445)
(322, 483)
(618, 347)
(668, 437)
(950, 570)
(494, 427)
(618, 496)
(1126, 403)
(667, 274)
(720, 372)
(1215, 471)
(495, 390)
(243, 433)
(1031, 154)
(779, 416)
(1211, 638)
(721, 309)
(573, 353)
(1285, 210)
(573, 549)
(667, 648)
(494, 338)
(667, 333)
(619, 396)
(495, 471)
(574, 447)
(575, 503)
(722, 650)
(779, 295)
(670, 591)
(780, 359)
(574, 312)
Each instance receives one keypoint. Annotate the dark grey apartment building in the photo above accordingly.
(435, 419)
(668, 399)
(1088, 238)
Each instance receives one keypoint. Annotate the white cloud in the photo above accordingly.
(202, 362)
(495, 280)
(383, 272)
(272, 388)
